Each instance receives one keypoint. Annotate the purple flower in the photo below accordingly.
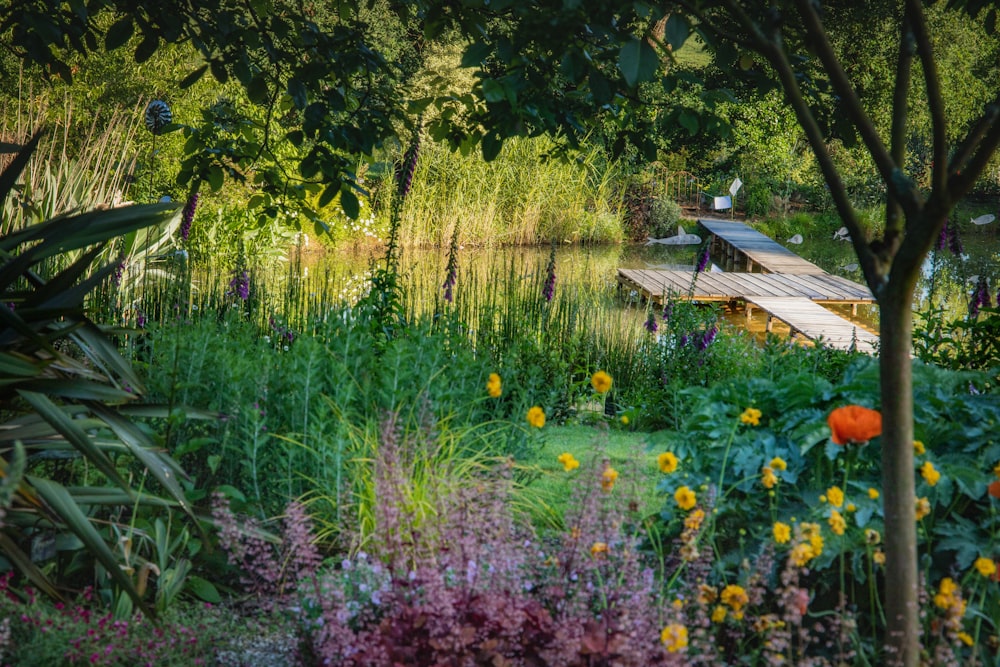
(452, 275)
(140, 321)
(651, 325)
(703, 260)
(942, 241)
(549, 290)
(708, 337)
(954, 241)
(240, 285)
(188, 215)
(684, 340)
(404, 172)
(980, 297)
(668, 310)
(119, 270)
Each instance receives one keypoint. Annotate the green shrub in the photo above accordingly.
(664, 213)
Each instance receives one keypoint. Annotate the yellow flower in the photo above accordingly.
(768, 478)
(750, 416)
(694, 519)
(536, 417)
(918, 448)
(879, 557)
(667, 462)
(802, 553)
(494, 386)
(608, 478)
(835, 496)
(601, 382)
(837, 523)
(873, 493)
(778, 463)
(986, 566)
(965, 638)
(674, 637)
(851, 507)
(685, 497)
(872, 537)
(782, 532)
(734, 596)
(568, 461)
(923, 508)
(996, 469)
(707, 594)
(719, 614)
(598, 548)
(945, 598)
(624, 420)
(928, 472)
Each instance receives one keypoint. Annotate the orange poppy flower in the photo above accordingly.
(994, 488)
(854, 423)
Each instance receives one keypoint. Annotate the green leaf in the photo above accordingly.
(677, 30)
(119, 33)
(637, 61)
(600, 87)
(492, 143)
(475, 54)
(215, 177)
(203, 590)
(349, 203)
(297, 91)
(689, 121)
(257, 90)
(329, 194)
(193, 77)
(70, 514)
(147, 47)
(493, 91)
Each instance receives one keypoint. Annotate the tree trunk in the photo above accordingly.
(898, 488)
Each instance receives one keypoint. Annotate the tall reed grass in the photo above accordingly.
(527, 195)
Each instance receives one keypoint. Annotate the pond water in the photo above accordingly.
(947, 281)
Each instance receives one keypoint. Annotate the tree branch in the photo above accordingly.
(918, 24)
(894, 220)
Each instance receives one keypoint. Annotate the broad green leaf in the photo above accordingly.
(73, 434)
(349, 202)
(147, 47)
(493, 91)
(193, 77)
(677, 30)
(203, 590)
(689, 121)
(120, 32)
(23, 563)
(637, 61)
(492, 143)
(59, 500)
(475, 54)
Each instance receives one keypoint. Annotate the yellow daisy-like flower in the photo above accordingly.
(685, 497)
(667, 462)
(751, 416)
(719, 614)
(624, 420)
(782, 532)
(851, 507)
(608, 478)
(837, 523)
(735, 596)
(674, 637)
(767, 477)
(965, 638)
(568, 461)
(707, 594)
(918, 448)
(536, 417)
(872, 536)
(778, 463)
(801, 554)
(878, 556)
(873, 493)
(494, 386)
(928, 472)
(986, 566)
(945, 596)
(601, 382)
(923, 508)
(835, 496)
(598, 549)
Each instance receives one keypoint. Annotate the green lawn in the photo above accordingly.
(549, 488)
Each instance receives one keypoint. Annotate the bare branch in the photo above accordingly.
(918, 24)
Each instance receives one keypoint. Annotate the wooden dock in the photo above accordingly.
(770, 277)
(825, 288)
(805, 317)
(746, 249)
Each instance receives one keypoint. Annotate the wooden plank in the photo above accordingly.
(758, 248)
(805, 317)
